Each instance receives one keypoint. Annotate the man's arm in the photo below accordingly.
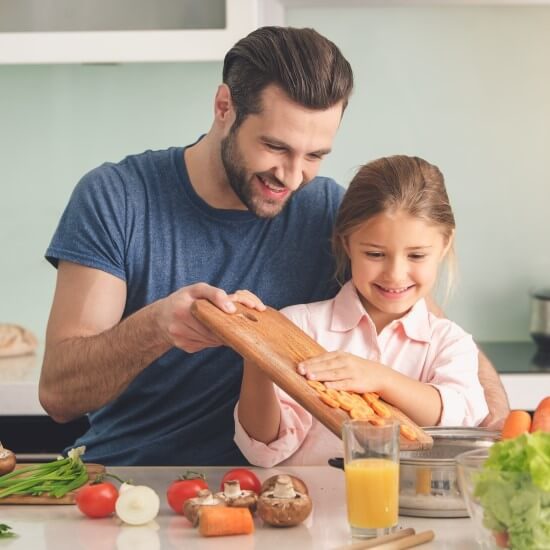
(91, 356)
(495, 395)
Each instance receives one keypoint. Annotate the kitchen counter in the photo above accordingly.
(60, 527)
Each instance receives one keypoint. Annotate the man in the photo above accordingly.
(242, 208)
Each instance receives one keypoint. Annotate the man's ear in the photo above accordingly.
(224, 111)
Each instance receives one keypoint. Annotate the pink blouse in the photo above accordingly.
(420, 345)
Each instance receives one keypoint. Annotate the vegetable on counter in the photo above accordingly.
(6, 531)
(541, 418)
(53, 479)
(514, 490)
(247, 479)
(516, 423)
(7, 460)
(204, 499)
(137, 504)
(217, 521)
(283, 504)
(97, 499)
(233, 495)
(185, 487)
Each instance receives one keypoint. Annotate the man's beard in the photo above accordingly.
(240, 182)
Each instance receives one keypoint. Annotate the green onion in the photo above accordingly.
(54, 478)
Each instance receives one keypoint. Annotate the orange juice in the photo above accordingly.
(372, 489)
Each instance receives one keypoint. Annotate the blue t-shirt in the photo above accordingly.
(142, 221)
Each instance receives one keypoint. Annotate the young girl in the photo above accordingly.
(394, 228)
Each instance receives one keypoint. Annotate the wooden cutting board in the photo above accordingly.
(276, 345)
(69, 498)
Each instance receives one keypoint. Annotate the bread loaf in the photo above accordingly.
(16, 340)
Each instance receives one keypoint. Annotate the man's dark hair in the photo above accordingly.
(308, 67)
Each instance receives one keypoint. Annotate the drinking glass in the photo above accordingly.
(371, 465)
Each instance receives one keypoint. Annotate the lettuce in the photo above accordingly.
(514, 490)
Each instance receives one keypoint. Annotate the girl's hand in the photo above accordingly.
(344, 371)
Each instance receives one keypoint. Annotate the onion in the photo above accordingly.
(137, 505)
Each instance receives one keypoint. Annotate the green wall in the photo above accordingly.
(465, 88)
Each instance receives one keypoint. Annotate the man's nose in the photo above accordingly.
(396, 269)
(293, 175)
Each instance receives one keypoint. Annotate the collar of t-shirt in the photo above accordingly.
(348, 311)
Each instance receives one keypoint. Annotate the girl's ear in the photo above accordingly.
(448, 244)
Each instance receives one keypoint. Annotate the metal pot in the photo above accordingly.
(428, 485)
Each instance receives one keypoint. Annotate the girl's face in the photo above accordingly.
(394, 263)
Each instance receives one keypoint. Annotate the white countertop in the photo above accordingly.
(59, 527)
(19, 378)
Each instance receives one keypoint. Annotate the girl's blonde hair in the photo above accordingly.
(389, 184)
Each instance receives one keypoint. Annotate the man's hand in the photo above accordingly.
(179, 325)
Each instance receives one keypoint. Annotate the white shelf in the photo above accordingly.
(242, 17)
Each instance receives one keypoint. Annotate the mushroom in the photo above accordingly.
(192, 506)
(7, 460)
(284, 505)
(297, 483)
(236, 497)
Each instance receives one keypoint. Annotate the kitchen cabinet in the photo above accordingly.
(79, 31)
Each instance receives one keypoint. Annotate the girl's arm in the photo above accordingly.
(259, 412)
(345, 371)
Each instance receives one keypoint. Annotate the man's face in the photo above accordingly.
(275, 152)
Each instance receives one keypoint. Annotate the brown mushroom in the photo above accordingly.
(236, 497)
(283, 505)
(7, 460)
(192, 506)
(297, 483)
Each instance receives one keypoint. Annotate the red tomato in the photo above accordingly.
(183, 488)
(97, 500)
(246, 478)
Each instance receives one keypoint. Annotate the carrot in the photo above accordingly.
(217, 521)
(516, 423)
(407, 432)
(541, 418)
(328, 400)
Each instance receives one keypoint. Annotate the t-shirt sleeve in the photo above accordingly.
(454, 372)
(91, 231)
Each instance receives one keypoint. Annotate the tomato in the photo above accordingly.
(246, 478)
(185, 487)
(97, 500)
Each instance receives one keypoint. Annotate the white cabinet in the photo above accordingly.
(115, 31)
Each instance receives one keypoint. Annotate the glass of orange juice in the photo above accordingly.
(371, 465)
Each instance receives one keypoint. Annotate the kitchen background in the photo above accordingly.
(466, 87)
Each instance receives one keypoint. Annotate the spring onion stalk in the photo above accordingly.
(53, 479)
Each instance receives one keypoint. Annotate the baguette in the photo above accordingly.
(16, 340)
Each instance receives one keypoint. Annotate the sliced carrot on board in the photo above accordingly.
(316, 385)
(334, 394)
(516, 423)
(541, 418)
(370, 397)
(362, 412)
(217, 521)
(376, 420)
(346, 401)
(328, 400)
(380, 409)
(407, 432)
